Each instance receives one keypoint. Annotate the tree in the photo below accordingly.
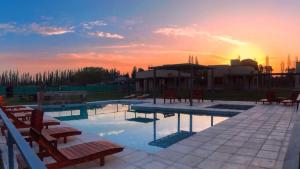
(140, 69)
(87, 75)
(133, 72)
(196, 61)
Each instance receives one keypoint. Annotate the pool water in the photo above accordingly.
(133, 129)
(231, 106)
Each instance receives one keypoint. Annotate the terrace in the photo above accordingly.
(255, 138)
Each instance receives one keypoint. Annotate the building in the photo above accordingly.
(240, 74)
(144, 79)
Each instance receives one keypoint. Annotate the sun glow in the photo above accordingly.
(249, 52)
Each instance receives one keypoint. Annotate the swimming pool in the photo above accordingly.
(136, 130)
(231, 106)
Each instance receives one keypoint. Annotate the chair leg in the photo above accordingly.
(65, 139)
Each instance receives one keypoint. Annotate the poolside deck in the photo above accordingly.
(254, 139)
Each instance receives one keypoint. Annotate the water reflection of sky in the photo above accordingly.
(112, 125)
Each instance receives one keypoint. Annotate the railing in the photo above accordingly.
(292, 157)
(14, 137)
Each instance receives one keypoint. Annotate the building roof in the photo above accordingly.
(181, 67)
(161, 74)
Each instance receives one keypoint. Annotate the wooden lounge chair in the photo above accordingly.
(291, 100)
(169, 94)
(130, 96)
(72, 155)
(21, 112)
(14, 107)
(199, 95)
(2, 103)
(26, 124)
(56, 132)
(143, 96)
(270, 98)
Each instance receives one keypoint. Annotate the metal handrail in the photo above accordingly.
(14, 137)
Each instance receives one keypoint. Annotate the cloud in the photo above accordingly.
(129, 46)
(92, 24)
(176, 31)
(50, 30)
(229, 39)
(106, 35)
(193, 32)
(9, 27)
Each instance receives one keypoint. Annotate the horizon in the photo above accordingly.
(51, 35)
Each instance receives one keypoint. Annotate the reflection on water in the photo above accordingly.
(132, 129)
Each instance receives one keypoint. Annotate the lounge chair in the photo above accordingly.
(18, 110)
(2, 103)
(270, 98)
(169, 94)
(199, 95)
(14, 107)
(144, 96)
(72, 155)
(56, 132)
(26, 124)
(291, 100)
(21, 112)
(130, 96)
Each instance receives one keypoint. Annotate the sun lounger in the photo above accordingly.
(270, 98)
(13, 107)
(143, 96)
(21, 112)
(26, 124)
(291, 100)
(169, 94)
(71, 155)
(198, 94)
(2, 103)
(56, 132)
(130, 96)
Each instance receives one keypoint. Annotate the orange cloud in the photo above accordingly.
(193, 32)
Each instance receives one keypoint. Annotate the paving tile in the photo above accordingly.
(181, 148)
(154, 164)
(227, 149)
(252, 145)
(210, 146)
(202, 153)
(235, 143)
(247, 152)
(233, 166)
(240, 159)
(190, 160)
(267, 154)
(270, 147)
(179, 166)
(261, 162)
(170, 155)
(135, 156)
(210, 164)
(189, 142)
(279, 164)
(220, 156)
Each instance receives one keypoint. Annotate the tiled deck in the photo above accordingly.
(254, 139)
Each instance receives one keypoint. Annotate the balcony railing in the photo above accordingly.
(14, 137)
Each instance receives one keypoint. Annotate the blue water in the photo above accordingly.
(134, 130)
(232, 106)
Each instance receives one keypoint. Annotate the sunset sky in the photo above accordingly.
(58, 34)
